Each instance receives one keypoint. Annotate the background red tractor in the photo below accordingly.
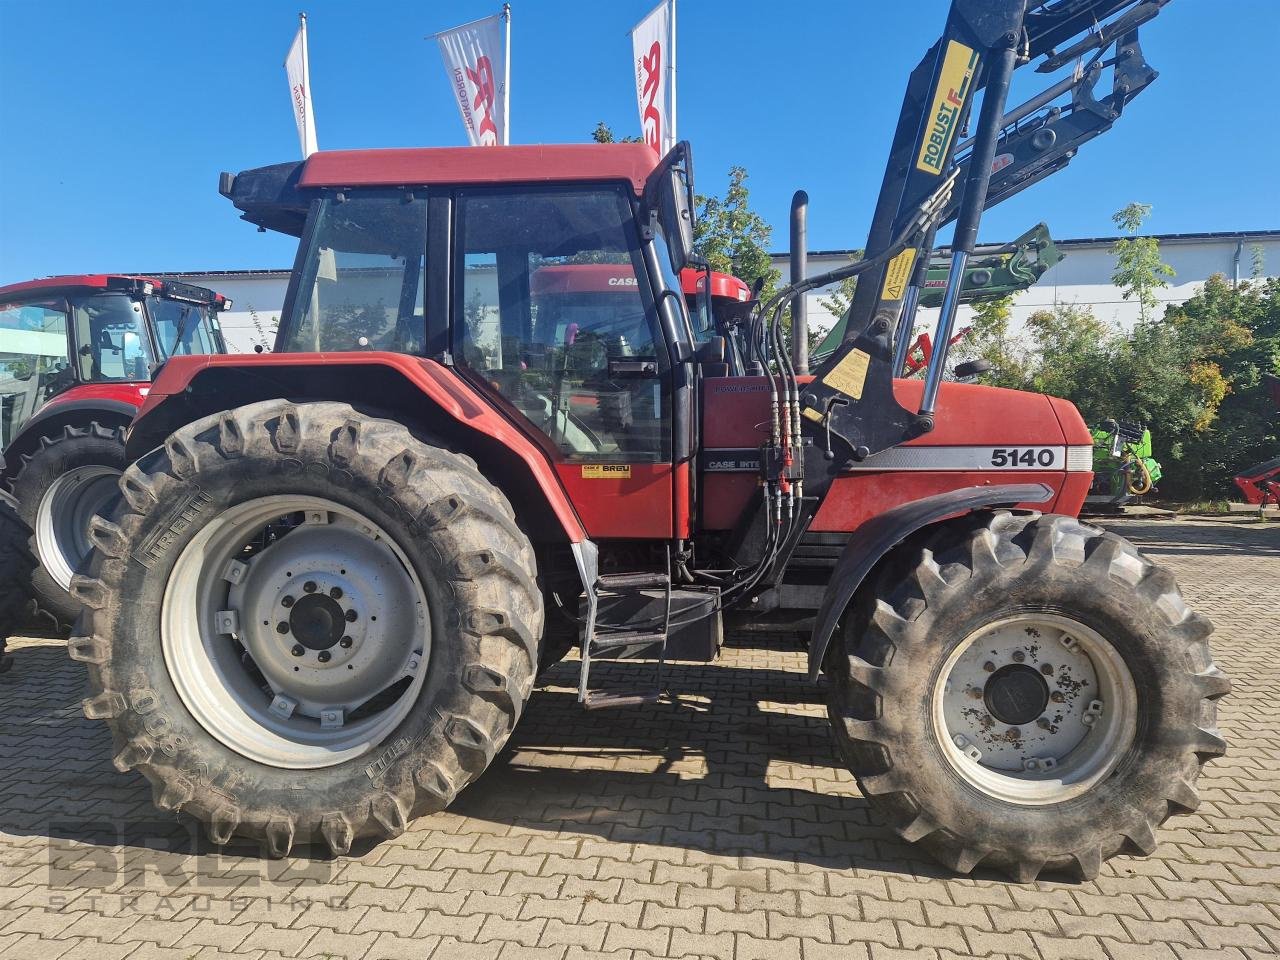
(76, 358)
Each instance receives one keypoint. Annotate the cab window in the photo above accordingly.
(362, 281)
(552, 310)
(34, 361)
(111, 337)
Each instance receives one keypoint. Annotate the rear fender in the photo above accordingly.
(49, 420)
(875, 538)
(425, 395)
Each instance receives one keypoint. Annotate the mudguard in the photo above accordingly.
(188, 388)
(875, 538)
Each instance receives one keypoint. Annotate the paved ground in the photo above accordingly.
(722, 827)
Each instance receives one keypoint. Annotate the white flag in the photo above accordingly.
(653, 49)
(473, 57)
(298, 69)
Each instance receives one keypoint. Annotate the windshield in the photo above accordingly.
(34, 363)
(184, 328)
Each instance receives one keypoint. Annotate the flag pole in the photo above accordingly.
(506, 79)
(671, 87)
(306, 67)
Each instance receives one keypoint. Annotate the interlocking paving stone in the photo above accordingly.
(721, 826)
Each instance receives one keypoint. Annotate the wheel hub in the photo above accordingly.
(1034, 708)
(63, 515)
(296, 631)
(1016, 694)
(317, 622)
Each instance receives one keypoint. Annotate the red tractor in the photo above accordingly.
(335, 571)
(76, 355)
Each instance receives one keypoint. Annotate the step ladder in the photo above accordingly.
(601, 638)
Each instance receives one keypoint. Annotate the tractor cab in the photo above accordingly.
(62, 332)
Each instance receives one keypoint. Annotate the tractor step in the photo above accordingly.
(603, 701)
(611, 640)
(626, 582)
(627, 639)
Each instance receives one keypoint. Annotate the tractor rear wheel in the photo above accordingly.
(307, 624)
(1034, 695)
(16, 564)
(67, 480)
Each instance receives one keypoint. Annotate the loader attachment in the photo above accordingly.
(934, 175)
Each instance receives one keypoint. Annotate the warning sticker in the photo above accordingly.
(606, 471)
(850, 374)
(895, 278)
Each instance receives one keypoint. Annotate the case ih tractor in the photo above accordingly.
(318, 609)
(76, 354)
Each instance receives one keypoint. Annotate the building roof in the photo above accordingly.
(1240, 235)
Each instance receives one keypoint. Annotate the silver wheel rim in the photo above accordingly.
(1034, 709)
(62, 518)
(296, 631)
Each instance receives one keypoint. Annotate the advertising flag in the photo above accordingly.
(298, 69)
(653, 49)
(474, 61)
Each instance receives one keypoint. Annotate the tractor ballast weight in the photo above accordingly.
(462, 460)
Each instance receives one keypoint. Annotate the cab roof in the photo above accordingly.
(632, 162)
(101, 282)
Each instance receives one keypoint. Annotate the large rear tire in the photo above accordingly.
(1031, 695)
(67, 480)
(307, 624)
(16, 564)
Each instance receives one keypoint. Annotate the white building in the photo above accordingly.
(1083, 277)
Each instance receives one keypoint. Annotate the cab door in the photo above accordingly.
(553, 316)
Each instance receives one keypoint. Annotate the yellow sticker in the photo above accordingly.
(812, 414)
(954, 84)
(850, 374)
(606, 471)
(899, 272)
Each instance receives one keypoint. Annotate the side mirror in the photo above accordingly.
(972, 368)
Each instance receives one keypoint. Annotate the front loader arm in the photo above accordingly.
(851, 398)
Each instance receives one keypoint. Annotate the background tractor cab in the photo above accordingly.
(76, 361)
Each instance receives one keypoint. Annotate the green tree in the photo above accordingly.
(989, 338)
(733, 238)
(1139, 271)
(603, 133)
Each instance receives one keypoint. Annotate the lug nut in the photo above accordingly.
(286, 601)
(351, 616)
(1046, 669)
(1014, 733)
(324, 656)
(345, 643)
(1043, 723)
(298, 650)
(1018, 656)
(309, 586)
(335, 592)
(282, 627)
(989, 667)
(1057, 697)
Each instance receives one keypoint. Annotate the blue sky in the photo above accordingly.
(117, 117)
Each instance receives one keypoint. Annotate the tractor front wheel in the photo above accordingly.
(1033, 695)
(307, 624)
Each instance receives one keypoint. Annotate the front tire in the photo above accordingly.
(306, 624)
(1034, 695)
(16, 565)
(67, 480)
